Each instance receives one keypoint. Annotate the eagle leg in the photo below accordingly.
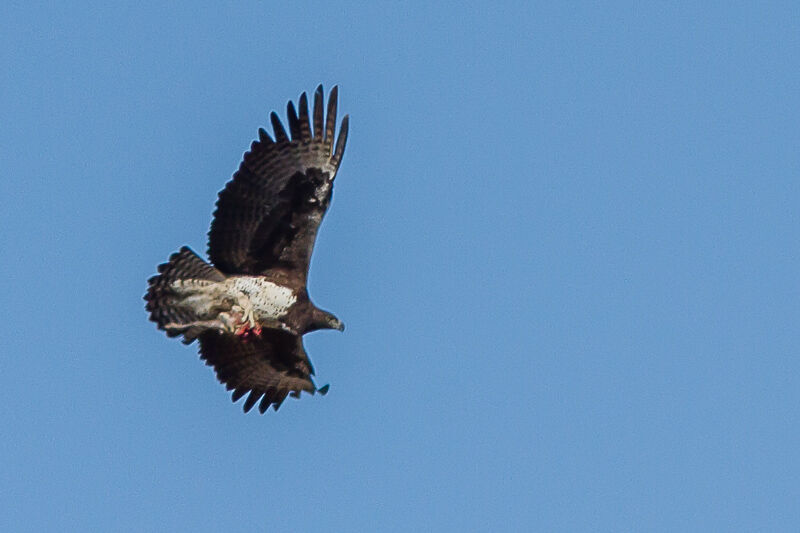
(244, 308)
(246, 324)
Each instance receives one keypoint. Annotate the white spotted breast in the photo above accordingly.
(269, 299)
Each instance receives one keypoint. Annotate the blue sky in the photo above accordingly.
(564, 240)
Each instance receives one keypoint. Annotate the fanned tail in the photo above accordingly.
(164, 302)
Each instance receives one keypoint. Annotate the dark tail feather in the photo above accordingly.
(162, 302)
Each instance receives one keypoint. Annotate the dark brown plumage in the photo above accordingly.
(250, 309)
(268, 215)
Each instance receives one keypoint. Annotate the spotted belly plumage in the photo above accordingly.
(267, 299)
(238, 304)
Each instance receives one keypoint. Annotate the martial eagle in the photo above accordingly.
(249, 307)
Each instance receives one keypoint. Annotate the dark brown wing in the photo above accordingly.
(269, 367)
(268, 215)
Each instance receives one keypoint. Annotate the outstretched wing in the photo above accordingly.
(269, 367)
(267, 216)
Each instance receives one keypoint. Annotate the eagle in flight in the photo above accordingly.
(249, 307)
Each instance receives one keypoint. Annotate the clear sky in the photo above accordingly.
(564, 240)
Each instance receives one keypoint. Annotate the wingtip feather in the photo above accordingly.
(269, 397)
(264, 137)
(330, 125)
(251, 400)
(237, 394)
(341, 141)
(304, 126)
(294, 122)
(277, 127)
(319, 97)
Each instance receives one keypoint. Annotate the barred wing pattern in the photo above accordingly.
(268, 215)
(269, 368)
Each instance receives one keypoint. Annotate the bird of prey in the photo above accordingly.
(249, 307)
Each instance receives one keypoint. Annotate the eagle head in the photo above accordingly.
(324, 320)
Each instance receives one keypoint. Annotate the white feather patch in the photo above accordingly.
(207, 298)
(269, 299)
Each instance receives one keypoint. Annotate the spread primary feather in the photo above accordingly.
(249, 306)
